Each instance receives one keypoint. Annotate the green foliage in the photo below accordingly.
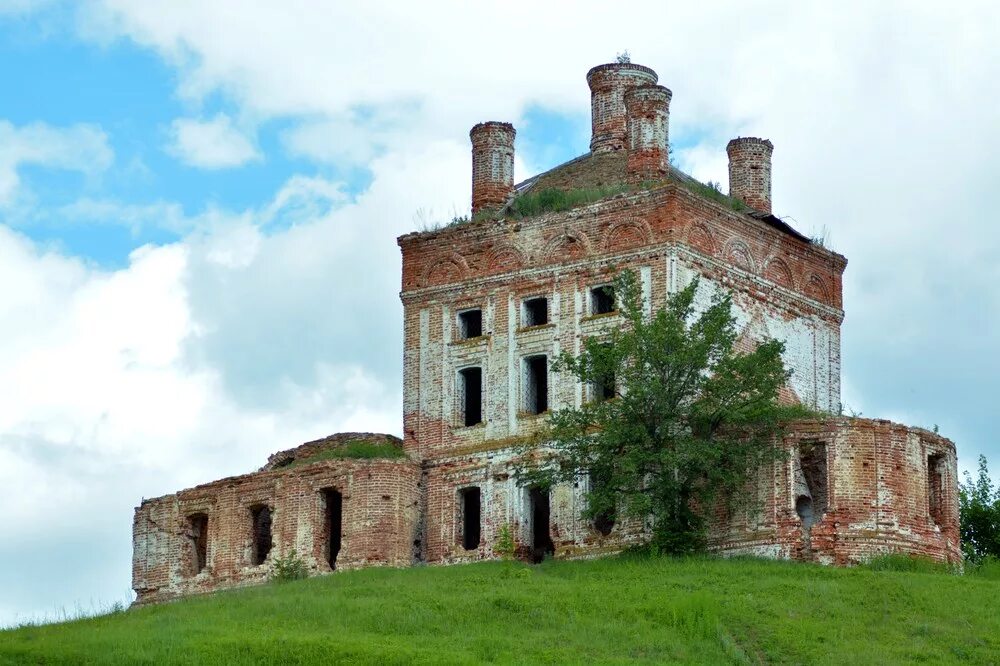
(505, 543)
(908, 563)
(288, 568)
(713, 191)
(356, 448)
(619, 610)
(691, 421)
(550, 200)
(979, 510)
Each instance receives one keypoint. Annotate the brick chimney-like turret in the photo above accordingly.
(648, 119)
(608, 84)
(492, 165)
(750, 171)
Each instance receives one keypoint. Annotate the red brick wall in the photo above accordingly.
(380, 504)
(878, 499)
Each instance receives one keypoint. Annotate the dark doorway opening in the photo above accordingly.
(541, 539)
(471, 501)
(472, 396)
(262, 541)
(198, 531)
(334, 524)
(935, 488)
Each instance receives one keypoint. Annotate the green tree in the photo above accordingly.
(678, 419)
(979, 509)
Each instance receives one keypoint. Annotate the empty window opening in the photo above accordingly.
(262, 542)
(811, 501)
(334, 518)
(470, 324)
(935, 487)
(536, 385)
(536, 312)
(471, 395)
(602, 300)
(470, 504)
(603, 387)
(198, 533)
(541, 539)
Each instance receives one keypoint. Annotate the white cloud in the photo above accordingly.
(82, 148)
(260, 330)
(211, 144)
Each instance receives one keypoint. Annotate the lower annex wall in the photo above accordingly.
(378, 520)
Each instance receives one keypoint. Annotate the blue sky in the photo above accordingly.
(199, 204)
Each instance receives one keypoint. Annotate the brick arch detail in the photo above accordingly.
(815, 287)
(778, 272)
(452, 267)
(701, 238)
(738, 253)
(504, 257)
(570, 244)
(627, 234)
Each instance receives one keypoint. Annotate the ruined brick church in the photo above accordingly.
(487, 305)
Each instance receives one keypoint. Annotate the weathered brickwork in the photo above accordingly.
(488, 305)
(492, 164)
(750, 171)
(378, 519)
(871, 491)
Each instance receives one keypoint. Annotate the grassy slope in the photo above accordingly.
(608, 611)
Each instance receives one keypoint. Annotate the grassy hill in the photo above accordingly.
(619, 610)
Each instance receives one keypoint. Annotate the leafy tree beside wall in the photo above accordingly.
(688, 422)
(979, 508)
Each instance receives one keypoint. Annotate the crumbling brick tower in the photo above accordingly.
(489, 304)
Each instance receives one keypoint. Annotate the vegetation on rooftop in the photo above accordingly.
(616, 610)
(353, 449)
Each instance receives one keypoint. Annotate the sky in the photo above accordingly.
(199, 201)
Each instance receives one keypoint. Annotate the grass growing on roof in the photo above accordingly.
(616, 610)
(353, 449)
(552, 200)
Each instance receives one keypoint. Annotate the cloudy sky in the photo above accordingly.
(199, 202)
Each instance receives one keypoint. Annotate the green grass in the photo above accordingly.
(619, 610)
(711, 191)
(530, 204)
(356, 448)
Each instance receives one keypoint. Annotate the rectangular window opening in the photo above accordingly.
(536, 312)
(470, 324)
(536, 393)
(471, 508)
(198, 533)
(935, 487)
(262, 541)
(334, 503)
(471, 394)
(602, 300)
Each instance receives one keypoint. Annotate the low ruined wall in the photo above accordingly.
(378, 521)
(850, 490)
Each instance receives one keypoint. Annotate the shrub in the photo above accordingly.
(505, 543)
(288, 568)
